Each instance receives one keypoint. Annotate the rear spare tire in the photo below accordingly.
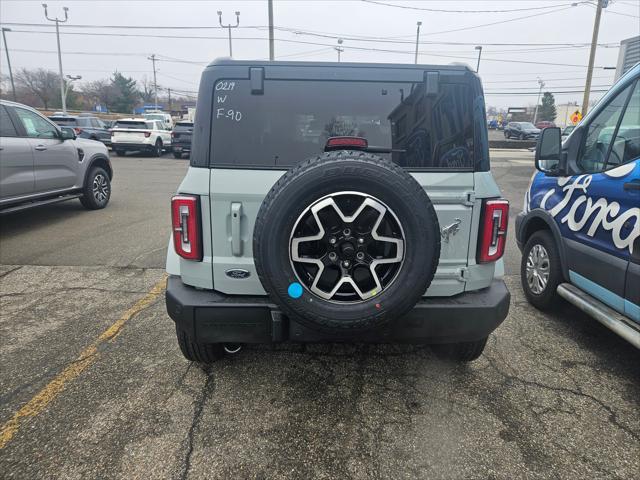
(346, 241)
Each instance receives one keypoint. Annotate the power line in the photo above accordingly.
(439, 10)
(457, 57)
(295, 31)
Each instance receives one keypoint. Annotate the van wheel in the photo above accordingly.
(97, 189)
(120, 153)
(460, 352)
(157, 148)
(507, 135)
(541, 270)
(177, 155)
(198, 352)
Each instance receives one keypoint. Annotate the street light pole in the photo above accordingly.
(415, 60)
(72, 78)
(271, 39)
(58, 22)
(535, 112)
(592, 54)
(479, 49)
(6, 49)
(229, 26)
(339, 49)
(155, 83)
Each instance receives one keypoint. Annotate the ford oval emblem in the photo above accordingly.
(237, 273)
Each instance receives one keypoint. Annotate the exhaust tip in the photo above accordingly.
(232, 348)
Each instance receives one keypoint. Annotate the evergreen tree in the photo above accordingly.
(547, 110)
(126, 92)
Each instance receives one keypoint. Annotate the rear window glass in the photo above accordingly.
(181, 126)
(130, 124)
(64, 122)
(293, 119)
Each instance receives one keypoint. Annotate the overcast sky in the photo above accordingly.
(381, 31)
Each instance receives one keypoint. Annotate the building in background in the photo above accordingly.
(628, 56)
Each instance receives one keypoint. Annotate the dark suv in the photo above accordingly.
(521, 131)
(181, 139)
(337, 202)
(92, 128)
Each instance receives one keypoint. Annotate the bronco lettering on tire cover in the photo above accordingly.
(346, 241)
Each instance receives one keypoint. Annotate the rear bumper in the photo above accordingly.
(132, 146)
(213, 317)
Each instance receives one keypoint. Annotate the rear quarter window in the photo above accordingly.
(292, 120)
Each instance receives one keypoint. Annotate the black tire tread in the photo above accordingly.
(198, 352)
(87, 199)
(548, 299)
(462, 351)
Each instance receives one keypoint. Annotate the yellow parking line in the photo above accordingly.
(87, 357)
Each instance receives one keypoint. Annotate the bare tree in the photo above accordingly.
(42, 83)
(100, 91)
(147, 93)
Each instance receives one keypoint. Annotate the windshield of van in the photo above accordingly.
(292, 120)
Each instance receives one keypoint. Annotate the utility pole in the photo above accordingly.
(271, 39)
(415, 60)
(58, 22)
(592, 55)
(479, 49)
(535, 112)
(155, 83)
(6, 49)
(170, 106)
(229, 26)
(339, 49)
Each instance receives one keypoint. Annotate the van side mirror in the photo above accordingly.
(67, 133)
(549, 151)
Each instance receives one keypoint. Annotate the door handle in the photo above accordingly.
(236, 241)
(40, 148)
(632, 185)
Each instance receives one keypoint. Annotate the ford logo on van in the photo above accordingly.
(238, 273)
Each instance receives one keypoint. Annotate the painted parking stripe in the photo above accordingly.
(86, 358)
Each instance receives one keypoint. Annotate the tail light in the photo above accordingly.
(493, 230)
(147, 134)
(336, 143)
(173, 134)
(77, 130)
(185, 219)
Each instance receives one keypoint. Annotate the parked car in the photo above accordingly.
(139, 134)
(41, 163)
(89, 127)
(181, 138)
(580, 230)
(164, 118)
(521, 131)
(319, 209)
(567, 131)
(544, 124)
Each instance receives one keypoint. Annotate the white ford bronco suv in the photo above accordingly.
(337, 202)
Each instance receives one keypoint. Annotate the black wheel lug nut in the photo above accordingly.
(346, 264)
(333, 256)
(332, 240)
(360, 255)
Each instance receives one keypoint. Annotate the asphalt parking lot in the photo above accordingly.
(93, 384)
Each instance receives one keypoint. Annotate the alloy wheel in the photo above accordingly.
(100, 188)
(347, 247)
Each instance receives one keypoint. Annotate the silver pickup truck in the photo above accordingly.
(41, 163)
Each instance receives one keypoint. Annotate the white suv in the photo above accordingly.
(139, 134)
